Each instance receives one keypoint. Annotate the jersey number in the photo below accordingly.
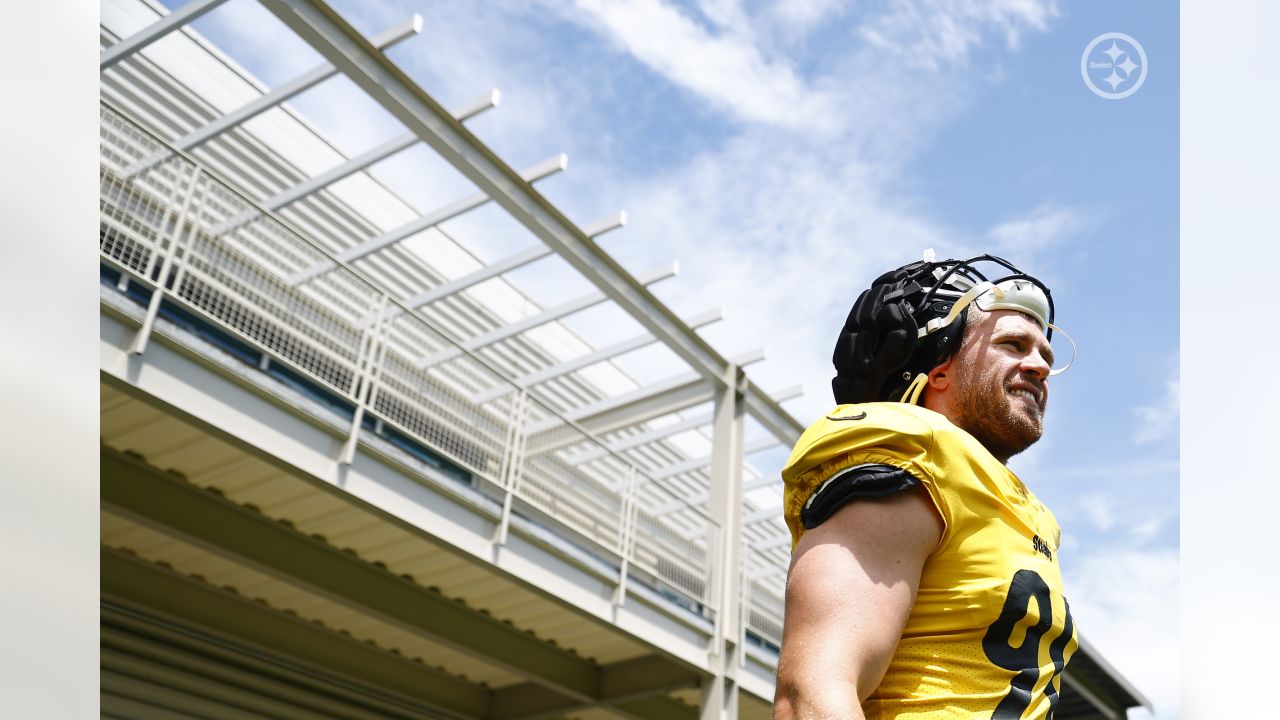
(1024, 659)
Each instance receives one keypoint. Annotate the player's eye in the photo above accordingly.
(1015, 345)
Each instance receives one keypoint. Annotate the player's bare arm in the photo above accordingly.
(852, 583)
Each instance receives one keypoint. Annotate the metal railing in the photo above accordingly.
(762, 584)
(354, 342)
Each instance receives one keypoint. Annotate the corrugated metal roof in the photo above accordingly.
(171, 444)
(123, 534)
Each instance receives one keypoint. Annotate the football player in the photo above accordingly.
(924, 580)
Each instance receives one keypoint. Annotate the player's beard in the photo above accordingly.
(984, 408)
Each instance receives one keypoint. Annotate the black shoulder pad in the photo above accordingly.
(869, 480)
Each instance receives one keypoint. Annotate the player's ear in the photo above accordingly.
(939, 377)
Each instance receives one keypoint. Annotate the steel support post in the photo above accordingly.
(369, 365)
(513, 462)
(719, 700)
(744, 607)
(180, 226)
(626, 534)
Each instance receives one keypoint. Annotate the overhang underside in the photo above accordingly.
(231, 585)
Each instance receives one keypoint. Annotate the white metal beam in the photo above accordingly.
(687, 466)
(662, 398)
(761, 482)
(784, 395)
(348, 168)
(605, 353)
(701, 497)
(505, 265)
(719, 696)
(643, 438)
(271, 99)
(155, 31)
(699, 463)
(751, 357)
(770, 571)
(431, 219)
(577, 304)
(779, 541)
(388, 85)
(606, 225)
(773, 513)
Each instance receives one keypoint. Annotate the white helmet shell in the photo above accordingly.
(1017, 294)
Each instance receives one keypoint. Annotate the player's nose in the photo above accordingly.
(1035, 364)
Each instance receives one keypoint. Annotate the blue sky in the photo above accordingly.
(786, 153)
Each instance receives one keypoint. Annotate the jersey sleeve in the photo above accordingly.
(868, 480)
(858, 451)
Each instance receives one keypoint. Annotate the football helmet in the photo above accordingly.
(911, 318)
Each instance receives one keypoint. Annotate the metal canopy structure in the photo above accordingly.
(349, 464)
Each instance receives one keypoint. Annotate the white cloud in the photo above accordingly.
(801, 16)
(1145, 531)
(1159, 419)
(1125, 603)
(933, 34)
(1043, 228)
(263, 41)
(727, 69)
(1028, 463)
(1138, 469)
(728, 15)
(1099, 509)
(804, 227)
(1137, 500)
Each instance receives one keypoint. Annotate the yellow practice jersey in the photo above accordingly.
(990, 631)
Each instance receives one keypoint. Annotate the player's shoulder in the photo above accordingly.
(892, 428)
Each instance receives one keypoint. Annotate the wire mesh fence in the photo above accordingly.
(763, 586)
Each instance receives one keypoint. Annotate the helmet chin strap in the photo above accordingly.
(912, 394)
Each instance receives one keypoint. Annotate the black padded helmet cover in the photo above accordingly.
(879, 351)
